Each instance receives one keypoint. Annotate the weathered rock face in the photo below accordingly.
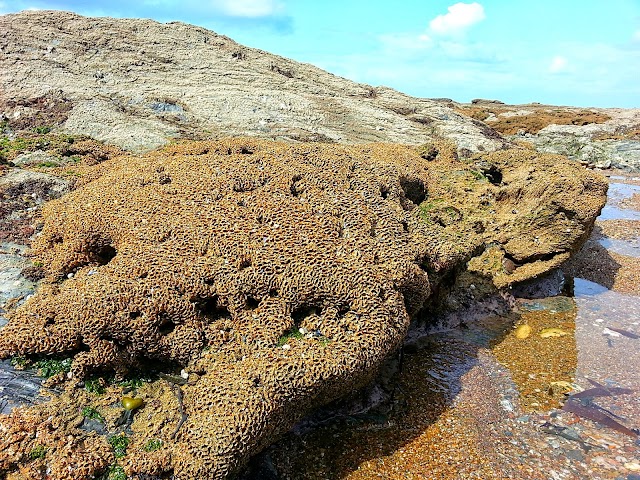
(598, 137)
(278, 276)
(610, 145)
(139, 83)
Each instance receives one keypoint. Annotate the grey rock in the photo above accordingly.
(35, 158)
(93, 425)
(139, 83)
(13, 285)
(483, 101)
(548, 285)
(16, 177)
(576, 455)
(600, 145)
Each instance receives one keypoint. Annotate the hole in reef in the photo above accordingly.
(134, 315)
(384, 191)
(211, 308)
(491, 172)
(166, 326)
(105, 254)
(245, 262)
(295, 188)
(252, 303)
(413, 189)
(405, 226)
(302, 312)
(119, 342)
(246, 151)
(494, 175)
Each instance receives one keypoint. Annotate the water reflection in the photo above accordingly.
(617, 193)
(604, 354)
(630, 248)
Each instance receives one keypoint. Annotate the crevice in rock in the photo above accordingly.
(414, 189)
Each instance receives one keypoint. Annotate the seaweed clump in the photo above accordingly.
(206, 255)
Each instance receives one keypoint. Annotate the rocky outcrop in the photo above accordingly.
(138, 83)
(597, 137)
(613, 144)
(278, 277)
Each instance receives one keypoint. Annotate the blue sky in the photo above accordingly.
(568, 52)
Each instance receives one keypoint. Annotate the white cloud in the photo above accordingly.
(460, 16)
(558, 64)
(248, 8)
(635, 36)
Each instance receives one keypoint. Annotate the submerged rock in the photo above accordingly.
(214, 255)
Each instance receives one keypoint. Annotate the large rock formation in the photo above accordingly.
(278, 276)
(139, 83)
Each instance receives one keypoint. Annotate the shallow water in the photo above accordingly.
(621, 191)
(617, 193)
(630, 248)
(616, 213)
(605, 355)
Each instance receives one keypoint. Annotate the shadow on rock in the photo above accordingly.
(594, 262)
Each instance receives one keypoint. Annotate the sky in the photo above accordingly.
(560, 52)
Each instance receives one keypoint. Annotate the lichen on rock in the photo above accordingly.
(279, 276)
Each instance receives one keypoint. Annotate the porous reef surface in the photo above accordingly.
(278, 276)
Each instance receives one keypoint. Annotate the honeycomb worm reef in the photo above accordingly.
(214, 256)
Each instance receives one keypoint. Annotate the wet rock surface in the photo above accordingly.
(22, 194)
(18, 387)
